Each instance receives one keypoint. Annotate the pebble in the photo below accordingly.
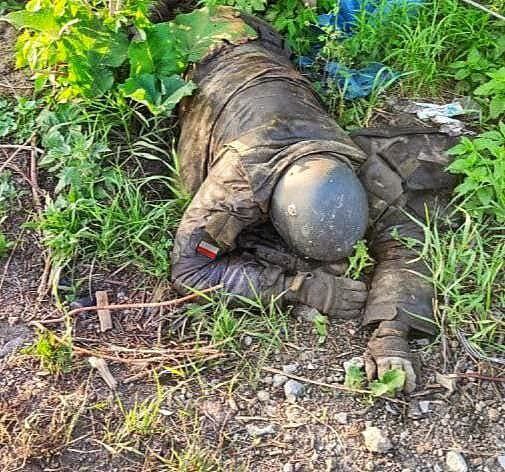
(258, 431)
(290, 368)
(341, 417)
(278, 380)
(263, 396)
(501, 461)
(455, 462)
(376, 440)
(288, 467)
(493, 414)
(424, 406)
(248, 340)
(293, 390)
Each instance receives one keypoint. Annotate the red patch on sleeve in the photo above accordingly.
(208, 250)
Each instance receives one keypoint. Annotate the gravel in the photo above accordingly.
(455, 462)
(376, 440)
(293, 390)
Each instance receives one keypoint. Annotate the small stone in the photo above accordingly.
(263, 396)
(288, 467)
(233, 404)
(424, 406)
(354, 362)
(493, 414)
(376, 440)
(267, 380)
(258, 431)
(341, 417)
(248, 340)
(447, 382)
(455, 462)
(293, 390)
(501, 461)
(311, 366)
(290, 368)
(278, 380)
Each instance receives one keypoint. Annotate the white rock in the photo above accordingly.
(424, 406)
(501, 461)
(293, 390)
(355, 361)
(455, 462)
(258, 431)
(376, 440)
(290, 368)
(278, 380)
(263, 396)
(341, 417)
(288, 467)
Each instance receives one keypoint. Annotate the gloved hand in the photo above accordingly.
(330, 294)
(389, 349)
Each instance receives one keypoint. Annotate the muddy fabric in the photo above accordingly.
(253, 116)
(238, 135)
(404, 176)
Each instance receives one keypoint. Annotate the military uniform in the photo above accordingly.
(252, 117)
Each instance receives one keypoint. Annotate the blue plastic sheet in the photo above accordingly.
(355, 83)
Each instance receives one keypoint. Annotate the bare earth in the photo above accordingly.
(237, 418)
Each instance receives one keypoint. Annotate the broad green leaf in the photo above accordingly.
(43, 21)
(158, 54)
(160, 95)
(497, 106)
(354, 377)
(202, 29)
(390, 382)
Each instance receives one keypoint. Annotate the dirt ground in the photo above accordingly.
(217, 416)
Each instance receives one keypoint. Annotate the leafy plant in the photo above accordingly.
(54, 356)
(494, 90)
(354, 377)
(249, 6)
(482, 163)
(321, 327)
(359, 261)
(389, 383)
(81, 49)
(293, 19)
(7, 119)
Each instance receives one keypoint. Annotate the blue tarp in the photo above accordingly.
(355, 83)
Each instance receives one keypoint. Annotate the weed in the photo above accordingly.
(54, 356)
(467, 266)
(389, 383)
(7, 195)
(482, 163)
(359, 261)
(354, 377)
(321, 327)
(89, 46)
(423, 43)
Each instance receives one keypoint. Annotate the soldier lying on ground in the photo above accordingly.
(282, 194)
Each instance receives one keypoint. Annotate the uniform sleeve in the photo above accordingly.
(403, 175)
(205, 252)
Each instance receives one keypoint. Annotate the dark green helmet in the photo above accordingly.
(320, 208)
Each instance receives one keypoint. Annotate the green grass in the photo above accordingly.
(467, 266)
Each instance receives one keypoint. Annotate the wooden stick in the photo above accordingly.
(102, 300)
(146, 305)
(177, 301)
(483, 8)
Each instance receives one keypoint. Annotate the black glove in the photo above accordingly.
(332, 295)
